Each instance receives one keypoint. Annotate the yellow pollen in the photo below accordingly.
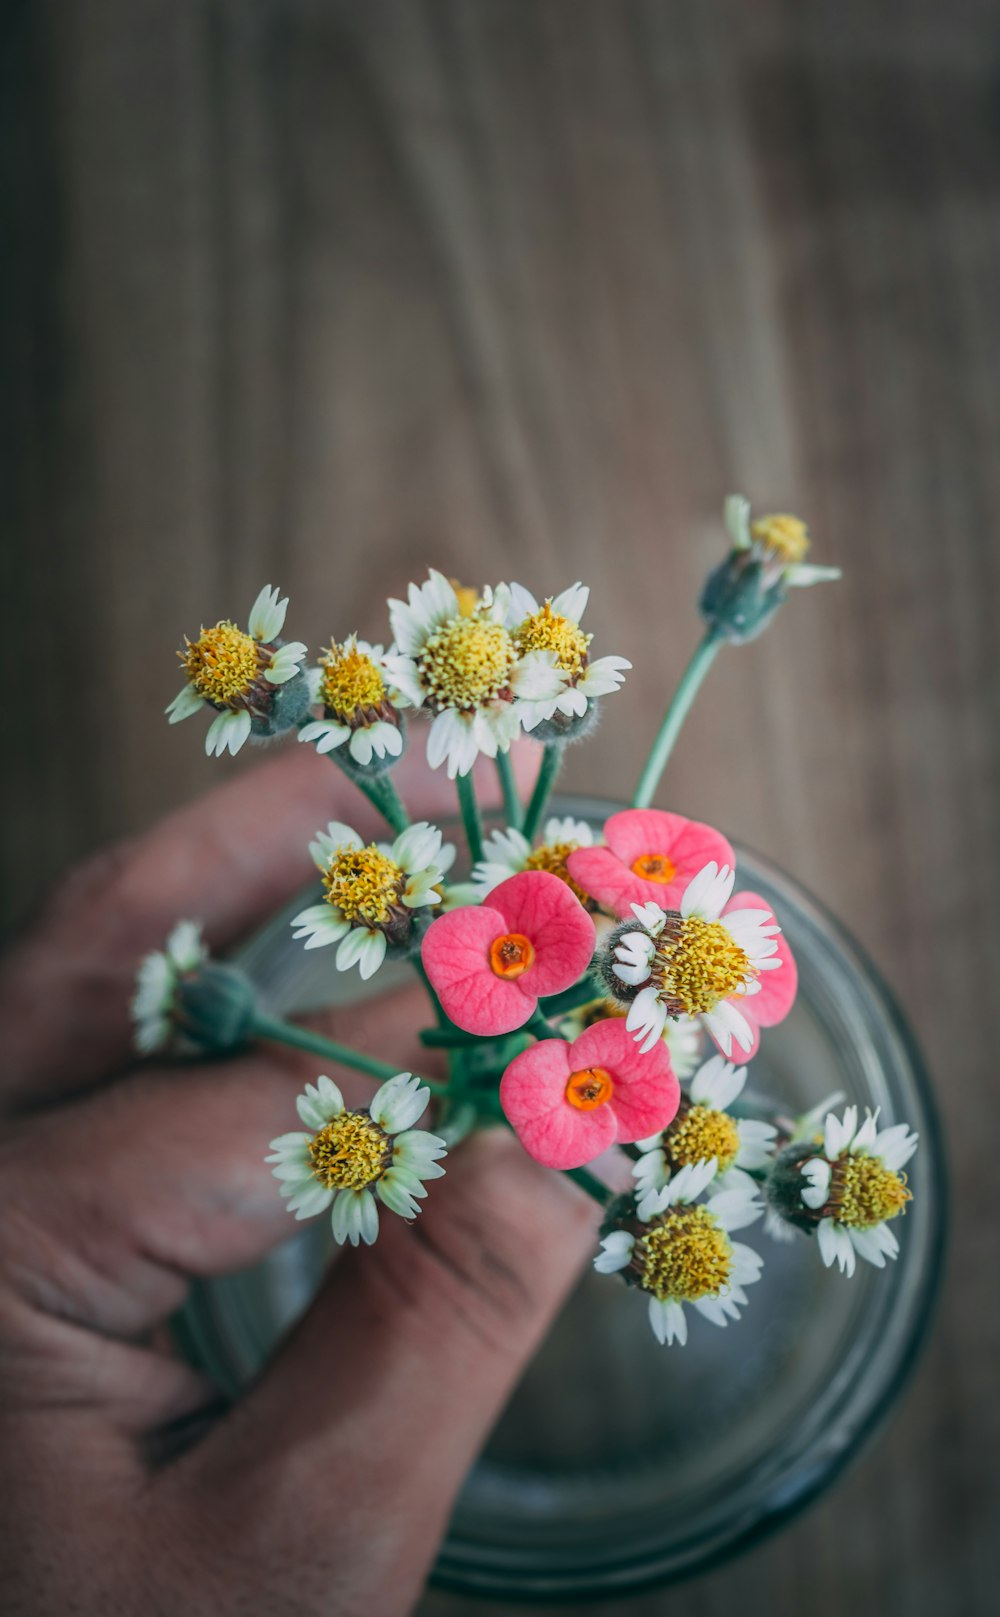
(552, 856)
(467, 662)
(350, 680)
(349, 1152)
(468, 598)
(222, 663)
(363, 884)
(686, 1256)
(864, 1192)
(699, 962)
(545, 630)
(654, 867)
(599, 1010)
(785, 536)
(589, 1088)
(701, 1134)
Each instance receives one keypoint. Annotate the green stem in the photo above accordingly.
(392, 806)
(303, 1038)
(513, 811)
(674, 717)
(590, 1183)
(447, 1038)
(379, 790)
(540, 1026)
(470, 816)
(550, 766)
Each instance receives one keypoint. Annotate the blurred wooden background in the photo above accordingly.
(320, 293)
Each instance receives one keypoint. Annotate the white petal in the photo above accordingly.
(736, 516)
(399, 1102)
(717, 1083)
(184, 704)
(267, 615)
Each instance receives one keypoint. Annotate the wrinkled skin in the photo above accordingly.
(125, 1486)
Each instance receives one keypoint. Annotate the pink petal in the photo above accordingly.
(633, 832)
(533, 1096)
(601, 874)
(607, 875)
(543, 908)
(455, 953)
(737, 1053)
(646, 1092)
(778, 988)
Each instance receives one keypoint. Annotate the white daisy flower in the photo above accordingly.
(778, 541)
(349, 1161)
(553, 629)
(697, 961)
(238, 673)
(703, 1130)
(508, 852)
(457, 659)
(682, 1253)
(159, 973)
(360, 705)
(372, 892)
(854, 1186)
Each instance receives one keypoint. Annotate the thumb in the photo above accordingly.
(362, 1430)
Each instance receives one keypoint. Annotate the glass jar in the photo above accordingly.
(619, 1463)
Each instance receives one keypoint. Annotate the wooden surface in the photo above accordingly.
(319, 294)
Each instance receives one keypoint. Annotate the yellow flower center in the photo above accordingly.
(865, 1192)
(786, 537)
(467, 662)
(589, 1088)
(222, 663)
(545, 630)
(363, 884)
(686, 1256)
(552, 856)
(701, 1134)
(350, 680)
(349, 1152)
(698, 963)
(511, 955)
(654, 867)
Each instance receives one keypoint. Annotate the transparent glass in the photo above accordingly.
(619, 1463)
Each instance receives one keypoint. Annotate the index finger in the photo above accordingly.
(230, 859)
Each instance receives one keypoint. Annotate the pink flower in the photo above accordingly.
(569, 1102)
(776, 990)
(490, 963)
(650, 855)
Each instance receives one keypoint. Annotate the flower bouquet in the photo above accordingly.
(602, 993)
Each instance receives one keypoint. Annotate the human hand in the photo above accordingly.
(328, 1487)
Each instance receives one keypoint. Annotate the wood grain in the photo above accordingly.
(320, 293)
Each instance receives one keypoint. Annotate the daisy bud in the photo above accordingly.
(250, 679)
(180, 991)
(215, 1007)
(742, 595)
(846, 1188)
(361, 721)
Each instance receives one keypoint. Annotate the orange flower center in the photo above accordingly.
(589, 1089)
(511, 955)
(654, 867)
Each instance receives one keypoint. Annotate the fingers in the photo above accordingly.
(141, 1185)
(364, 1427)
(230, 859)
